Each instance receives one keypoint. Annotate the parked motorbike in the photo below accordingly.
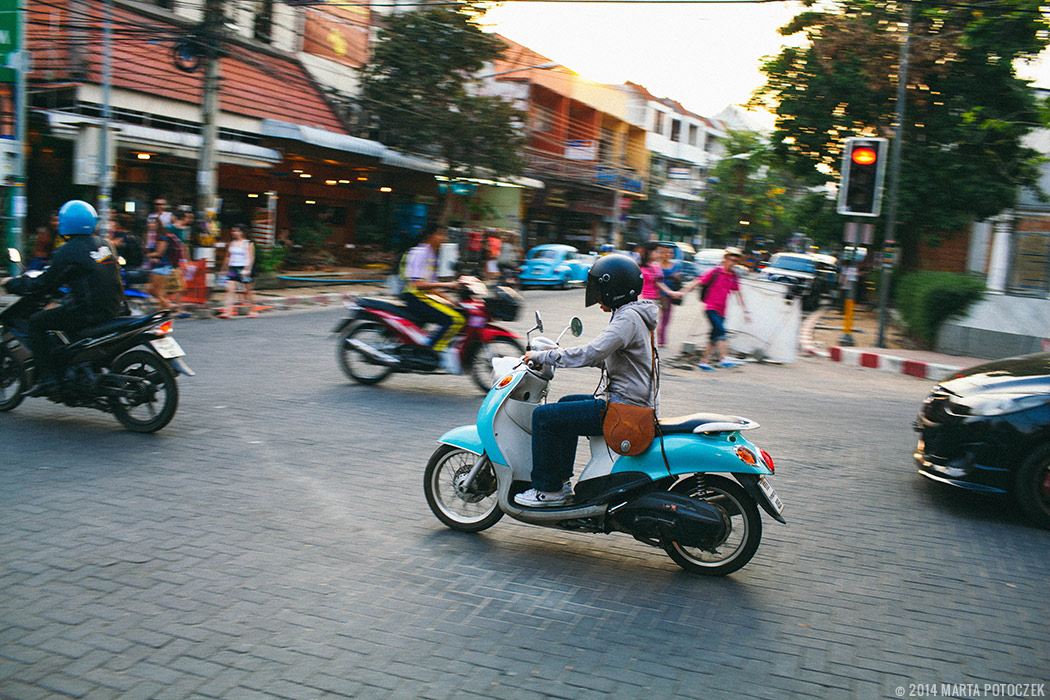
(125, 366)
(695, 491)
(380, 336)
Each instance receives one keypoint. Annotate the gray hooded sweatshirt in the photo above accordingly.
(624, 348)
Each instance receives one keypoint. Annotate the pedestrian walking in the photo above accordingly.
(672, 279)
(717, 284)
(166, 274)
(237, 270)
(653, 285)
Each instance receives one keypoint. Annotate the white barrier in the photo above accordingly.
(772, 334)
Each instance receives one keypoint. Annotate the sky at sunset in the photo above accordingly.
(706, 56)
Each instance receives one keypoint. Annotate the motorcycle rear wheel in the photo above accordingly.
(481, 363)
(355, 365)
(466, 510)
(742, 541)
(154, 394)
(12, 379)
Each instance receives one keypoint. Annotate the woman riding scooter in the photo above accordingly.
(625, 351)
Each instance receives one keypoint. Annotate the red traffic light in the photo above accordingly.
(864, 155)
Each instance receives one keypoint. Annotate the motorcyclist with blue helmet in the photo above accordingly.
(88, 267)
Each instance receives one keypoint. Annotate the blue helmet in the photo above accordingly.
(77, 218)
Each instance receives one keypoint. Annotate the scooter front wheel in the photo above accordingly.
(738, 545)
(467, 508)
(12, 379)
(356, 365)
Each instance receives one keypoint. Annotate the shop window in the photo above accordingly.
(262, 25)
(1030, 266)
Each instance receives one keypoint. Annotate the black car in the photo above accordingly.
(987, 429)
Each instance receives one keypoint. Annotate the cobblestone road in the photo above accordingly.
(273, 542)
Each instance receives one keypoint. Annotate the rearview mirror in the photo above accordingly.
(13, 255)
(577, 326)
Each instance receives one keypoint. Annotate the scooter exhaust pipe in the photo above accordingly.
(373, 354)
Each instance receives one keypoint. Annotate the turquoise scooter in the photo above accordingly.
(695, 491)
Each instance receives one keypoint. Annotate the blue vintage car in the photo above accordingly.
(555, 266)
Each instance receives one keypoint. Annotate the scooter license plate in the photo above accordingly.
(167, 348)
(771, 495)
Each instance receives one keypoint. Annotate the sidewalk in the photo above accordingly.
(821, 336)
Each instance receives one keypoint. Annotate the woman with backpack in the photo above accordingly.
(717, 284)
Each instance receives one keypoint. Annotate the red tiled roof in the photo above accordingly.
(253, 83)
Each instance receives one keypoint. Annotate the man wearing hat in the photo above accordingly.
(717, 285)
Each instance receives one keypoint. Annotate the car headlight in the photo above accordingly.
(561, 268)
(992, 404)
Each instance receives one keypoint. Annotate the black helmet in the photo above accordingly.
(614, 280)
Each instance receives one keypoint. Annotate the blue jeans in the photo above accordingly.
(718, 325)
(556, 429)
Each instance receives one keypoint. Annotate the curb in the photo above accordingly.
(921, 369)
(861, 357)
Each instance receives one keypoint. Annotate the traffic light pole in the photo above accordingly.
(895, 171)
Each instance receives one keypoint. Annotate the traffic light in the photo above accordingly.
(863, 170)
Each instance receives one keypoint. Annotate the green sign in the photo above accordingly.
(10, 40)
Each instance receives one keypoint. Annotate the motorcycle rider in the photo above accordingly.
(625, 351)
(423, 297)
(85, 264)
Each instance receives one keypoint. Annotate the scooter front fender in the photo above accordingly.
(465, 437)
(689, 454)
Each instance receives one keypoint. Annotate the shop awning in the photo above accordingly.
(322, 138)
(176, 143)
(424, 165)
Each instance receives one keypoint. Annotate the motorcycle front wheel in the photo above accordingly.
(147, 400)
(481, 362)
(467, 509)
(356, 365)
(12, 379)
(740, 542)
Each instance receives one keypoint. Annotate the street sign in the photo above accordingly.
(10, 40)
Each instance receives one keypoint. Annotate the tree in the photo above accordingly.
(967, 110)
(417, 93)
(748, 184)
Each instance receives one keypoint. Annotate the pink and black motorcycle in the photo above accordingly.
(380, 336)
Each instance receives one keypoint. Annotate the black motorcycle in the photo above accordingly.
(125, 366)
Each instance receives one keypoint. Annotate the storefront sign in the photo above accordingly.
(338, 32)
(581, 149)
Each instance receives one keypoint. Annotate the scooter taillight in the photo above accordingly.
(163, 329)
(746, 456)
(768, 460)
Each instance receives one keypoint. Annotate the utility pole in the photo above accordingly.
(105, 168)
(895, 171)
(206, 175)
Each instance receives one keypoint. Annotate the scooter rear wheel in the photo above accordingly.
(739, 544)
(354, 364)
(470, 509)
(150, 399)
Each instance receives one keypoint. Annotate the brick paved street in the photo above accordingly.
(273, 542)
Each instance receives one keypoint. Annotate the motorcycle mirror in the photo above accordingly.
(13, 255)
(537, 327)
(577, 326)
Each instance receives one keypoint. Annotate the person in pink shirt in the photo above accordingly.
(719, 282)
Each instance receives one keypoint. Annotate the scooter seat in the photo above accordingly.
(116, 325)
(718, 421)
(390, 306)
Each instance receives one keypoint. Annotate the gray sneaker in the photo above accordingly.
(544, 499)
